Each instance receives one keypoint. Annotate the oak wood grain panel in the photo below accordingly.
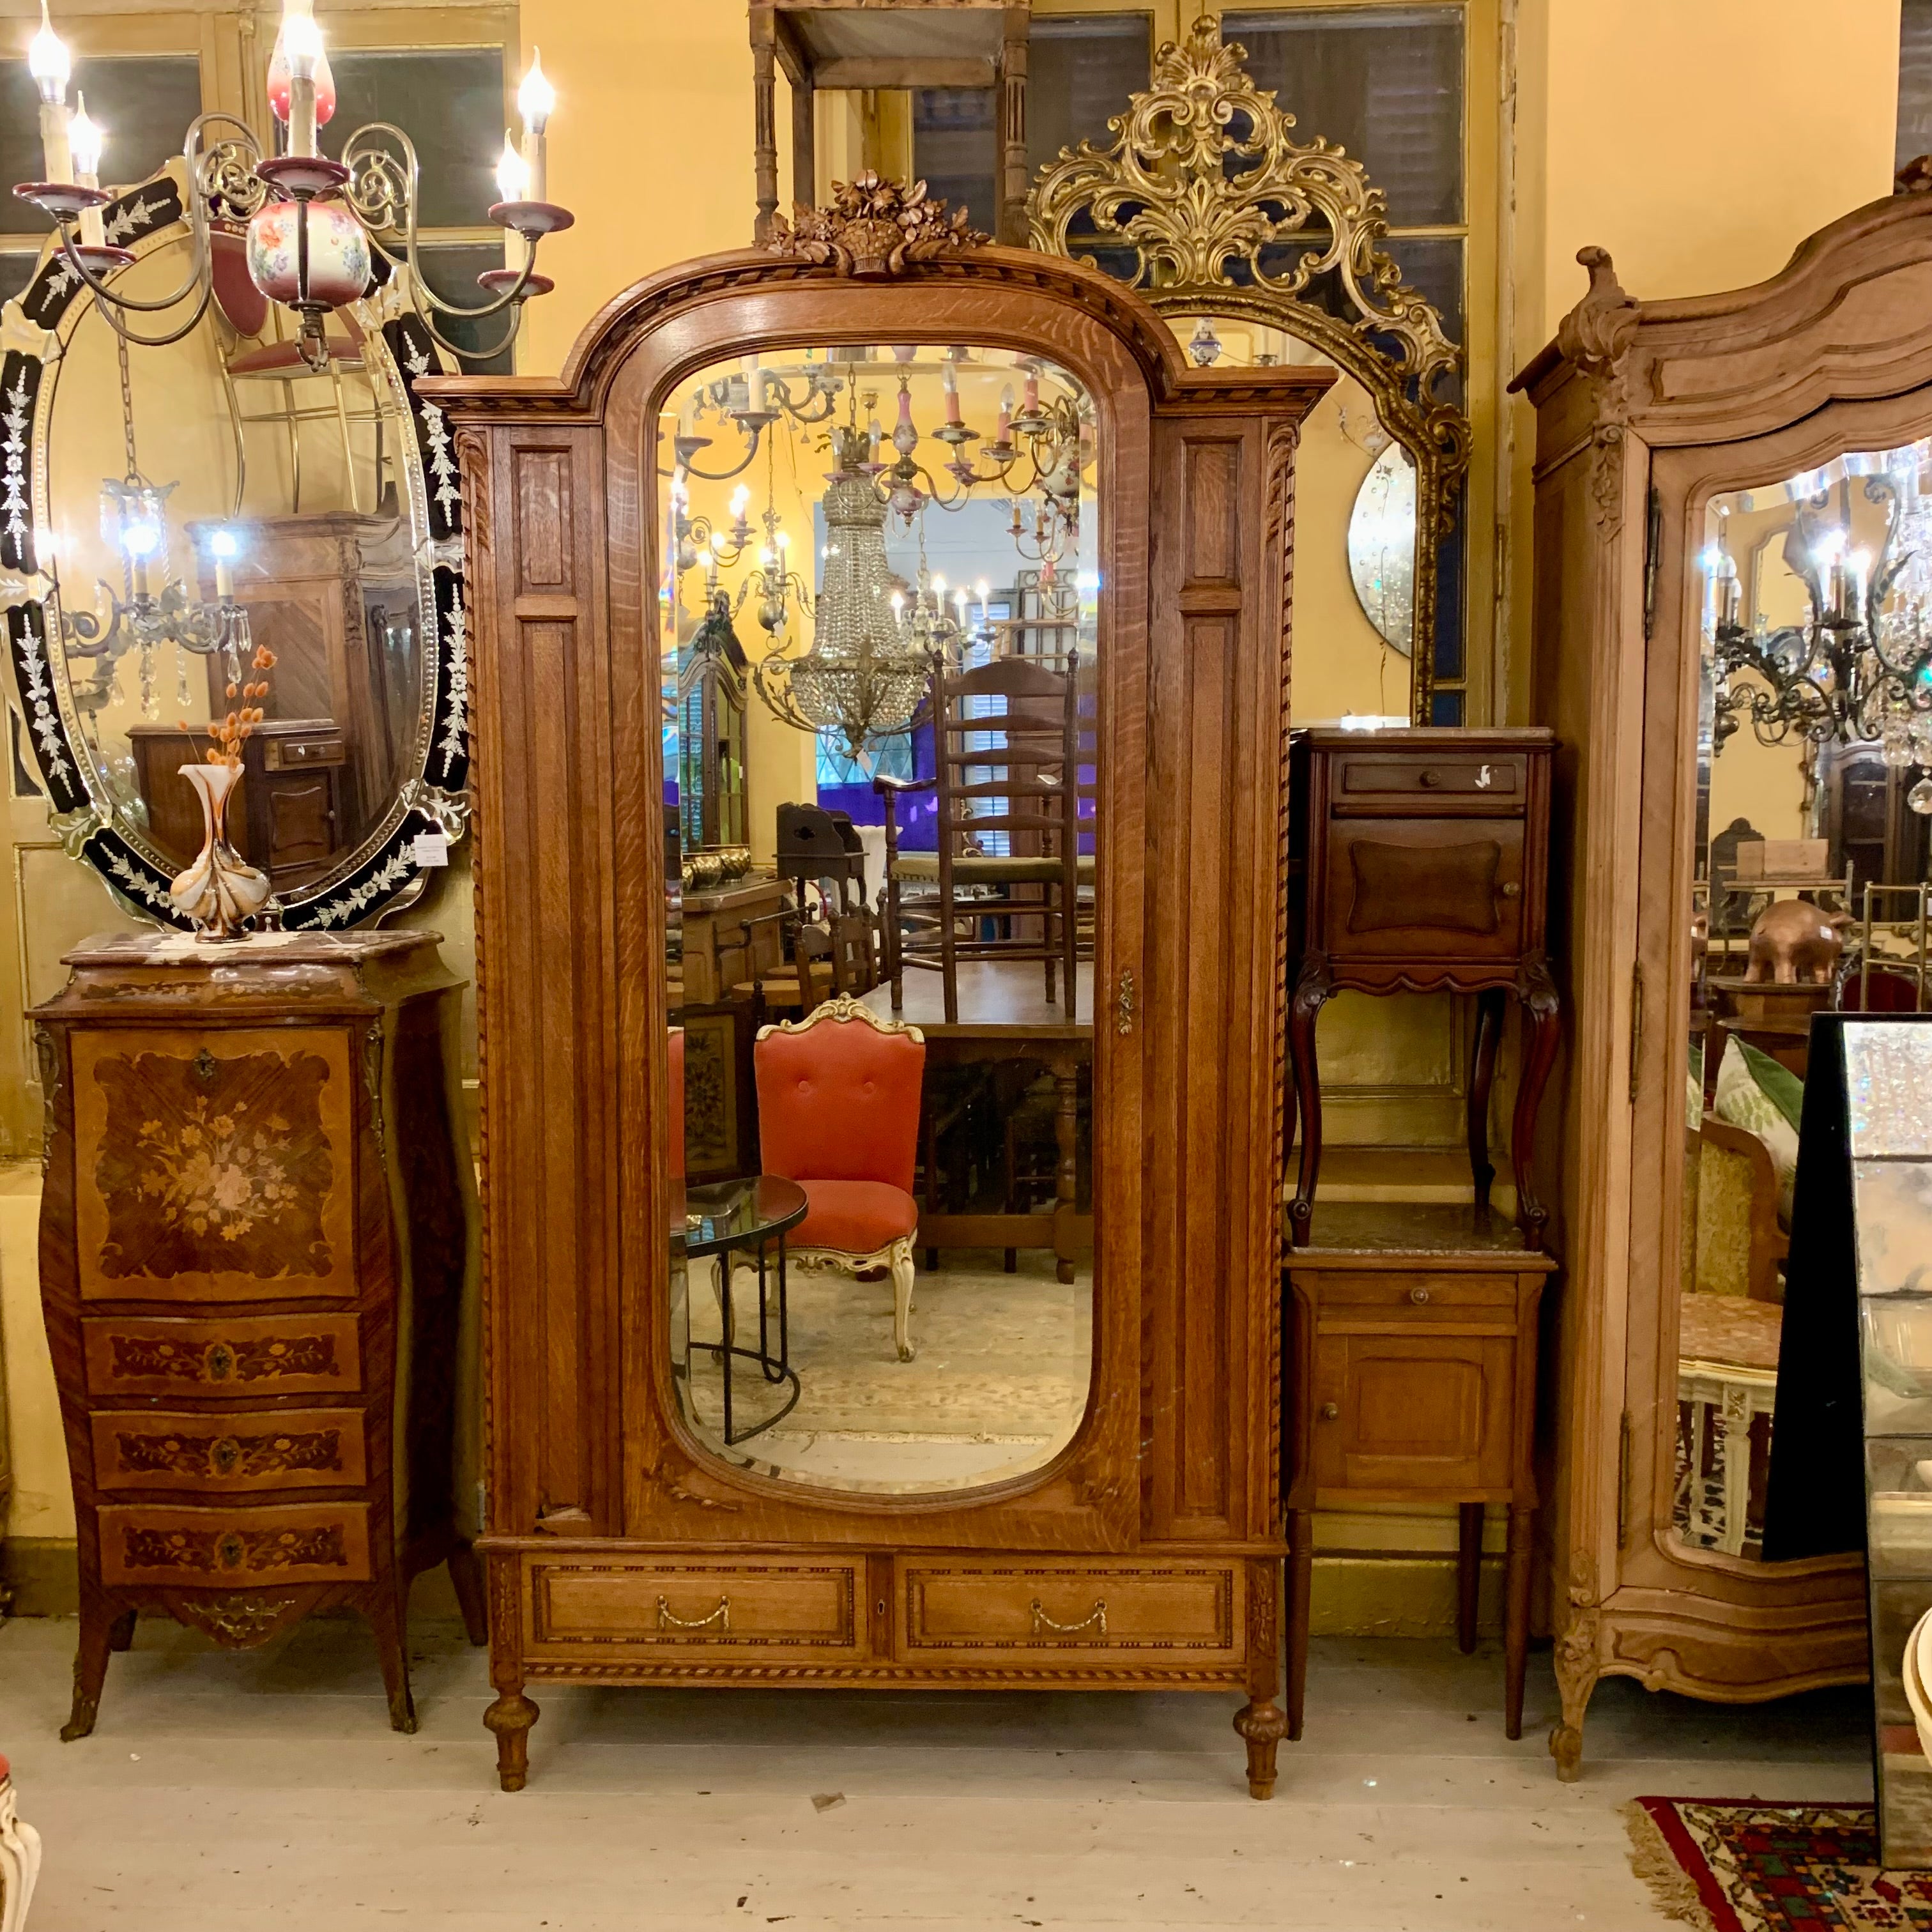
(546, 516)
(231, 1453)
(1413, 1414)
(234, 1548)
(1045, 1605)
(1212, 512)
(690, 1606)
(238, 1355)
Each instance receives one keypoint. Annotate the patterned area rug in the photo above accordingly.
(1723, 1866)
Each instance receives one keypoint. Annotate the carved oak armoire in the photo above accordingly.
(623, 1545)
(1695, 460)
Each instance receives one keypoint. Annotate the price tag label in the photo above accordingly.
(432, 848)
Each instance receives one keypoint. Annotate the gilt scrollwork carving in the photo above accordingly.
(1207, 204)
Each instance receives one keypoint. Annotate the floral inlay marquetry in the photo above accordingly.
(235, 1551)
(137, 1357)
(177, 1452)
(213, 1165)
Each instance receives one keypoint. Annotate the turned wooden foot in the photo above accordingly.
(1263, 1726)
(510, 1717)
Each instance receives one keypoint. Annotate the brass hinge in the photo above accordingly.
(1636, 1028)
(1623, 1477)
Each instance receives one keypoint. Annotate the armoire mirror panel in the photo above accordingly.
(896, 579)
(1806, 841)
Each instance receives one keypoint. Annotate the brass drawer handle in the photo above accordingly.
(721, 1616)
(1418, 1295)
(1095, 1619)
(1331, 1411)
(1509, 890)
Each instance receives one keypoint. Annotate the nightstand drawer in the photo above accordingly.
(1468, 779)
(241, 1355)
(1037, 1607)
(676, 1607)
(230, 1454)
(235, 1549)
(296, 755)
(1416, 1298)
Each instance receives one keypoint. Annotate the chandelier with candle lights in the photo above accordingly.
(1859, 667)
(316, 229)
(876, 639)
(153, 610)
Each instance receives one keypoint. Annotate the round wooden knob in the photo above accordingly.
(1418, 1295)
(1431, 779)
(1330, 1412)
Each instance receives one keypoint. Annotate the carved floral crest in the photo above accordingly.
(874, 227)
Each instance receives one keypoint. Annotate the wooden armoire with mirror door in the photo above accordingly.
(1720, 480)
(1109, 1515)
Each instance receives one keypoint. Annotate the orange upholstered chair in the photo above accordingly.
(838, 1095)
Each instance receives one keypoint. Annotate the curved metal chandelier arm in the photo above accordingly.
(384, 194)
(106, 302)
(722, 476)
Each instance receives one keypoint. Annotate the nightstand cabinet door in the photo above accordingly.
(1404, 1415)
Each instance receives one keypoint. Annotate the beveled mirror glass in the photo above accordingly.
(196, 500)
(881, 622)
(1809, 862)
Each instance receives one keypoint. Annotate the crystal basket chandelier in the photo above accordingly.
(874, 650)
(319, 232)
(1859, 668)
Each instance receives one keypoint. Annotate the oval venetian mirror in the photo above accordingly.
(881, 615)
(194, 500)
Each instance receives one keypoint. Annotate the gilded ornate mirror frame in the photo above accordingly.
(1163, 193)
(35, 331)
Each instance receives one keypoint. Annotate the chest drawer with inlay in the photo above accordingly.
(249, 1355)
(230, 1453)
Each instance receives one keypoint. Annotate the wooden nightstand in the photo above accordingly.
(1412, 1378)
(1419, 859)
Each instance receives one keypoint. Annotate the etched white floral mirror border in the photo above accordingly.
(1161, 193)
(35, 330)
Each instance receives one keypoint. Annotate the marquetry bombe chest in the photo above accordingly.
(256, 1254)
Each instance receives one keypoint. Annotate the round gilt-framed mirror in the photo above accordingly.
(150, 493)
(1259, 249)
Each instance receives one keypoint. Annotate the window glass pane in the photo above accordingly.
(955, 149)
(1385, 83)
(1080, 71)
(16, 272)
(144, 102)
(449, 101)
(1915, 82)
(450, 269)
(1433, 265)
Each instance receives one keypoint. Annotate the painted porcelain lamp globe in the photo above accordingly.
(317, 230)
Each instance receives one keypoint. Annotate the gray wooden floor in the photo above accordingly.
(224, 1792)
